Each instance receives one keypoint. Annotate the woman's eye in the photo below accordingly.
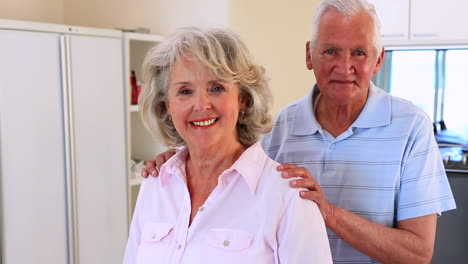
(185, 91)
(217, 88)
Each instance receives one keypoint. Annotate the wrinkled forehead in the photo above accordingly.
(346, 31)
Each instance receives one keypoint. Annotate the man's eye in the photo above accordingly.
(360, 53)
(330, 51)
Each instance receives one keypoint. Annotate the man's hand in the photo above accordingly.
(152, 166)
(412, 241)
(313, 190)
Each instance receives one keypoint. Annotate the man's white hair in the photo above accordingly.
(347, 8)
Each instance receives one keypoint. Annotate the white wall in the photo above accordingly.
(276, 32)
(50, 11)
(113, 13)
(160, 16)
(203, 13)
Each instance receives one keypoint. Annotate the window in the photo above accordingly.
(413, 78)
(456, 88)
(435, 80)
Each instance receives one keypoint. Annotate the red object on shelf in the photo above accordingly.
(135, 93)
(138, 91)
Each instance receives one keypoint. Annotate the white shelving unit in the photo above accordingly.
(140, 144)
(133, 108)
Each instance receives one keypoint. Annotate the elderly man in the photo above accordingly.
(369, 160)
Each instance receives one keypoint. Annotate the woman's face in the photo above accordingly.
(204, 109)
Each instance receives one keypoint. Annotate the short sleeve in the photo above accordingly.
(424, 187)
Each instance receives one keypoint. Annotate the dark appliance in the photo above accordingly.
(451, 244)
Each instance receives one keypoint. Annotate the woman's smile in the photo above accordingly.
(205, 123)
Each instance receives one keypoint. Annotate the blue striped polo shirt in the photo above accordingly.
(385, 168)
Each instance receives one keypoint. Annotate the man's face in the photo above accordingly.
(344, 57)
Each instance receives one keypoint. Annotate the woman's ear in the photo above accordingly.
(243, 101)
(168, 110)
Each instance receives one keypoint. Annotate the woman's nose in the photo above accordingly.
(203, 101)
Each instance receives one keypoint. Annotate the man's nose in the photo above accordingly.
(345, 64)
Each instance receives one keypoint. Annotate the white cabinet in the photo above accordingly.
(423, 22)
(62, 144)
(141, 145)
(32, 165)
(394, 18)
(439, 20)
(99, 144)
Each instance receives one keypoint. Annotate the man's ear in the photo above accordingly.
(380, 60)
(308, 56)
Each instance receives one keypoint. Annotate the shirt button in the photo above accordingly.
(201, 209)
(226, 243)
(332, 146)
(179, 246)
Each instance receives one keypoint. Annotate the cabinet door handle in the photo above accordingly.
(424, 35)
(393, 35)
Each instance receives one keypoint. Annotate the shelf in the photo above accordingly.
(135, 181)
(140, 143)
(133, 108)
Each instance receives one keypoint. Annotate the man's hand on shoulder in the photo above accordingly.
(152, 166)
(312, 190)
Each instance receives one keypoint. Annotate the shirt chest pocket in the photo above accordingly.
(234, 246)
(229, 240)
(155, 239)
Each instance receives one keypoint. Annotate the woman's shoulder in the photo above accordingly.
(271, 183)
(149, 185)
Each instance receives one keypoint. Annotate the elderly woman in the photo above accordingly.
(220, 198)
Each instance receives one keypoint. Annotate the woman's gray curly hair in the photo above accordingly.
(223, 53)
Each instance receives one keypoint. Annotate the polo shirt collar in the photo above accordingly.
(376, 112)
(304, 122)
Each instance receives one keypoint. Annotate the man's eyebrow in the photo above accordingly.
(330, 46)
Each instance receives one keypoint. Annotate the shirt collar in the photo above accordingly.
(249, 165)
(174, 166)
(376, 112)
(304, 122)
